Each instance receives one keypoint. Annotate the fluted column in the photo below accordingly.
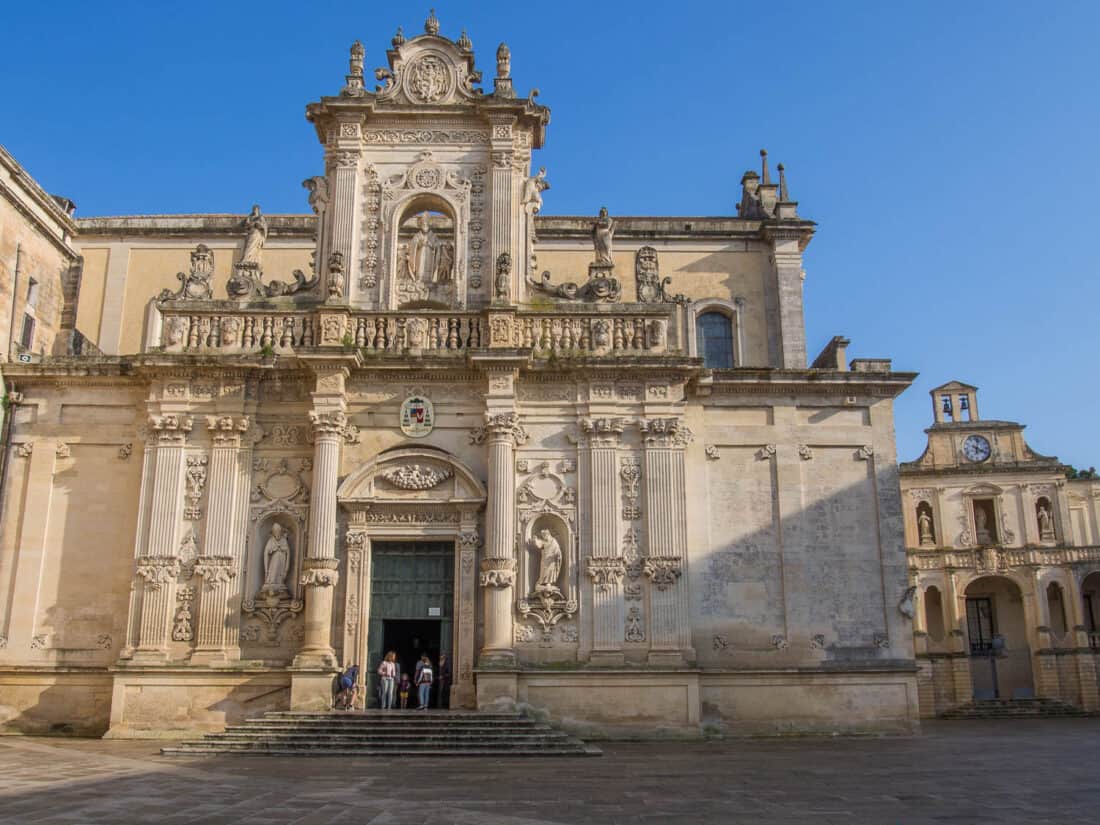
(319, 574)
(666, 529)
(158, 563)
(606, 567)
(502, 432)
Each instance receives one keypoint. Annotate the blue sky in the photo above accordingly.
(947, 150)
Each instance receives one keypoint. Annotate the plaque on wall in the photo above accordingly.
(417, 416)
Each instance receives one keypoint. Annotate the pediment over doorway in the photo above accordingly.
(412, 474)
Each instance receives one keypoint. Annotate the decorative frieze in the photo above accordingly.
(416, 476)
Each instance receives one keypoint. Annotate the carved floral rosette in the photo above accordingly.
(497, 573)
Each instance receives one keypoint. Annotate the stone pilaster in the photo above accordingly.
(666, 527)
(357, 596)
(158, 562)
(223, 545)
(503, 188)
(502, 432)
(605, 567)
(343, 156)
(1083, 656)
(789, 338)
(463, 694)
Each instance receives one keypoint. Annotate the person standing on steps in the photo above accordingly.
(387, 673)
(424, 678)
(443, 697)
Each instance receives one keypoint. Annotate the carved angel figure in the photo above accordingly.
(549, 561)
(533, 188)
(276, 560)
(603, 230)
(255, 235)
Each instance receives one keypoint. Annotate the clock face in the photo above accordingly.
(976, 448)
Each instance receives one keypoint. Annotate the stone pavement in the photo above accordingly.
(1034, 771)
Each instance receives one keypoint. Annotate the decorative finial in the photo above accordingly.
(464, 43)
(783, 194)
(502, 85)
(399, 38)
(765, 175)
(431, 25)
(353, 85)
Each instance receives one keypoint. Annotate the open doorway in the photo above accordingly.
(410, 639)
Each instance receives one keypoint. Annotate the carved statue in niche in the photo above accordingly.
(1046, 522)
(194, 286)
(502, 283)
(426, 258)
(276, 561)
(924, 526)
(550, 559)
(981, 526)
(603, 230)
(255, 236)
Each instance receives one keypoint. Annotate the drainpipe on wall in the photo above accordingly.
(11, 399)
(14, 296)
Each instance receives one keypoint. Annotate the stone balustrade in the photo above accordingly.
(1002, 557)
(208, 327)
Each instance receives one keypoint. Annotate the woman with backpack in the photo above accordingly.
(424, 681)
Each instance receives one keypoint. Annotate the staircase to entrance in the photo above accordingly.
(1037, 708)
(388, 733)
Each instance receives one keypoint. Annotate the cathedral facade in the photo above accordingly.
(586, 458)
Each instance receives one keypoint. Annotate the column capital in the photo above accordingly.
(605, 571)
(500, 427)
(333, 424)
(215, 570)
(319, 572)
(228, 430)
(497, 572)
(665, 432)
(171, 428)
(603, 432)
(157, 571)
(663, 571)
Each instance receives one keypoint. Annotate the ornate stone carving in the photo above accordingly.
(416, 477)
(665, 432)
(125, 451)
(905, 606)
(805, 452)
(502, 281)
(779, 642)
(605, 571)
(499, 425)
(319, 573)
(215, 570)
(817, 641)
(171, 429)
(568, 633)
(630, 470)
(277, 557)
(333, 423)
(603, 231)
(336, 277)
(183, 626)
(600, 287)
(524, 633)
(63, 450)
(547, 609)
(497, 573)
(635, 629)
(865, 453)
(881, 640)
(603, 432)
(195, 285)
(272, 610)
(650, 286)
(282, 487)
(25, 449)
(157, 571)
(550, 562)
(195, 480)
(663, 571)
(448, 136)
(712, 452)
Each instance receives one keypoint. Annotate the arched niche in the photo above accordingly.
(933, 613)
(293, 529)
(430, 189)
(545, 536)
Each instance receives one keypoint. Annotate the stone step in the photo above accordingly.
(1035, 708)
(578, 750)
(388, 733)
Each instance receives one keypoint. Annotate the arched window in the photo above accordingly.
(714, 336)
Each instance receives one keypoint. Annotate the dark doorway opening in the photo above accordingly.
(410, 639)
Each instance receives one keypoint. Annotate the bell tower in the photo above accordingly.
(424, 178)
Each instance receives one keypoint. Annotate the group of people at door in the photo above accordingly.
(427, 686)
